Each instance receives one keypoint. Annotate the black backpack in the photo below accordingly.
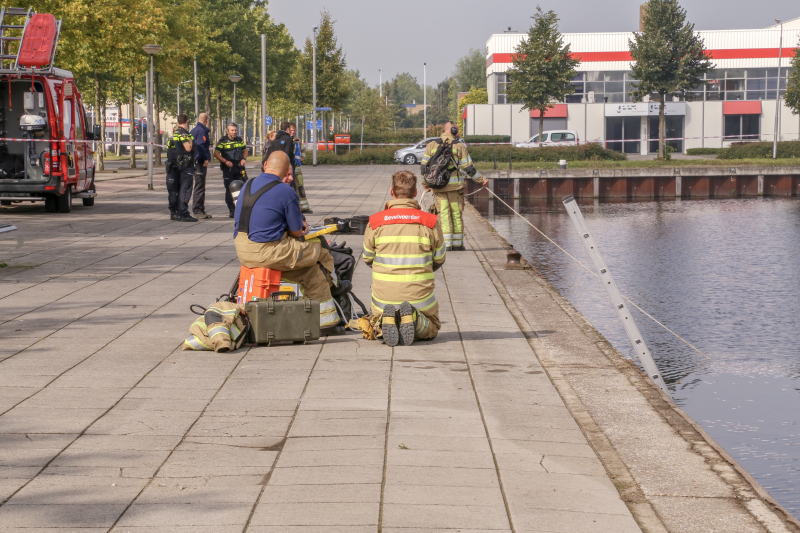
(435, 172)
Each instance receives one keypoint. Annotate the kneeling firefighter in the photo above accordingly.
(180, 171)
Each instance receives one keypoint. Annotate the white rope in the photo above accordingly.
(590, 271)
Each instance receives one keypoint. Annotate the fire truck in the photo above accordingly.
(44, 153)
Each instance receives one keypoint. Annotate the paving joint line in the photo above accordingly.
(268, 475)
(386, 443)
(480, 407)
(110, 341)
(183, 438)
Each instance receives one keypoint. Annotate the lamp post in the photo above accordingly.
(235, 78)
(196, 107)
(179, 96)
(778, 94)
(314, 94)
(262, 127)
(380, 82)
(152, 50)
(424, 100)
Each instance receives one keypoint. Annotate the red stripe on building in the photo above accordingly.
(557, 111)
(752, 107)
(728, 53)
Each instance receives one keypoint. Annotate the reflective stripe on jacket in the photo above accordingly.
(402, 250)
(221, 329)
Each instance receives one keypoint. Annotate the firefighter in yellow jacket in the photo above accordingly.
(404, 246)
(449, 200)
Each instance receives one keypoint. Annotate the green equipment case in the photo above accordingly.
(274, 320)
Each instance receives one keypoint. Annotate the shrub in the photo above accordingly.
(378, 155)
(761, 150)
(411, 136)
(703, 151)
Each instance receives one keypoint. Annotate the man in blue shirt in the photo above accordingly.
(202, 155)
(267, 225)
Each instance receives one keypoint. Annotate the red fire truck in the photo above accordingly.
(44, 155)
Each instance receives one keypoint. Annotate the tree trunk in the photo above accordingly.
(156, 121)
(541, 125)
(255, 126)
(132, 128)
(207, 99)
(103, 125)
(118, 147)
(661, 128)
(244, 122)
(219, 115)
(98, 153)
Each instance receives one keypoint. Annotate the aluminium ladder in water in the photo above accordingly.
(637, 341)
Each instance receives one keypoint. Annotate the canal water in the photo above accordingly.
(725, 275)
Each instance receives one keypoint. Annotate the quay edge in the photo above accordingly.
(643, 183)
(671, 474)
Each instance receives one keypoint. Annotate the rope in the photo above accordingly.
(590, 271)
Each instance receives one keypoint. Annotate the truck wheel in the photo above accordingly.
(51, 203)
(65, 201)
(5, 202)
(88, 202)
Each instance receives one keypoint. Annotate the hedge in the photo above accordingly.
(703, 151)
(414, 136)
(761, 150)
(385, 155)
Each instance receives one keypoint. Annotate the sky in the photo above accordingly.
(400, 36)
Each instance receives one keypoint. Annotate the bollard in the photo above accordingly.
(513, 260)
(495, 158)
(562, 164)
(509, 161)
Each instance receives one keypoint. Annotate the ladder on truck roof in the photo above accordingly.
(9, 52)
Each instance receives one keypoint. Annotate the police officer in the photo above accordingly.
(180, 171)
(231, 152)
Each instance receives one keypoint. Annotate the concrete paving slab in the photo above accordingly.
(444, 516)
(355, 493)
(317, 514)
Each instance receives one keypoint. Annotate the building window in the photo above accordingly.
(742, 127)
(623, 134)
(673, 129)
(741, 84)
(503, 83)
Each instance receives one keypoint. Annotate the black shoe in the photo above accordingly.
(308, 211)
(343, 288)
(187, 219)
(406, 323)
(231, 213)
(391, 335)
(459, 248)
(173, 216)
(333, 331)
(448, 249)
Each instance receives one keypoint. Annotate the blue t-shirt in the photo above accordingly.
(273, 213)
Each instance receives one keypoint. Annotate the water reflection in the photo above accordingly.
(721, 273)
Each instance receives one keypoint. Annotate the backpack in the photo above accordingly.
(435, 172)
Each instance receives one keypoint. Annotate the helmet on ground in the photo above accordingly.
(235, 187)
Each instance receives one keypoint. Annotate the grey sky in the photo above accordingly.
(399, 36)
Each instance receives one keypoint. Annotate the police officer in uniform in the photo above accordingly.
(180, 171)
(231, 152)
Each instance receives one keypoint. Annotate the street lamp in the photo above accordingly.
(179, 95)
(314, 93)
(152, 50)
(380, 82)
(235, 78)
(196, 107)
(424, 100)
(778, 94)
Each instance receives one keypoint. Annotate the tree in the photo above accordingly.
(669, 58)
(470, 71)
(542, 67)
(439, 100)
(332, 90)
(408, 89)
(792, 95)
(474, 96)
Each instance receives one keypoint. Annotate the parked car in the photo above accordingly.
(412, 155)
(552, 138)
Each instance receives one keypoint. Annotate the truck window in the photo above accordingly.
(78, 125)
(569, 137)
(556, 137)
(67, 118)
(535, 138)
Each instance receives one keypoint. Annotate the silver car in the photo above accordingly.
(412, 155)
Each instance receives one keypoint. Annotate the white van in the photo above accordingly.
(552, 138)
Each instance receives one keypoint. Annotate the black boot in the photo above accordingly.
(343, 288)
(173, 216)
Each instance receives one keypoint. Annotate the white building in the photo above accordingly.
(737, 102)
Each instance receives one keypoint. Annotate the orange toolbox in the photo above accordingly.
(257, 283)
